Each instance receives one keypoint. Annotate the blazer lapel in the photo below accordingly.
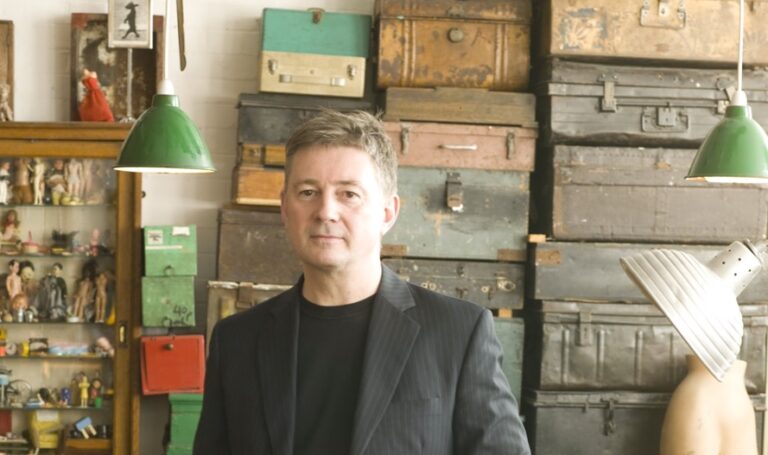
(277, 371)
(391, 335)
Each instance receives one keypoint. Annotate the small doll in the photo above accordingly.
(94, 107)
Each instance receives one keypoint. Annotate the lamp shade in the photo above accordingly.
(164, 139)
(699, 299)
(736, 150)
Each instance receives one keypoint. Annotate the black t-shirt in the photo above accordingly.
(330, 364)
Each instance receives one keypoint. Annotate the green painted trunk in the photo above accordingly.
(511, 333)
(311, 32)
(460, 214)
(170, 250)
(168, 301)
(185, 414)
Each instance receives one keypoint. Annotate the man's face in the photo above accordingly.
(334, 209)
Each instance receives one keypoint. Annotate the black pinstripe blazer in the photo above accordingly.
(431, 381)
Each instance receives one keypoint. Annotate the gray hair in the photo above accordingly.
(357, 129)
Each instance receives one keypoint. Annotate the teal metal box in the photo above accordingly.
(185, 414)
(168, 301)
(316, 32)
(170, 250)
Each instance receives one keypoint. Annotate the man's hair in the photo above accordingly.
(357, 129)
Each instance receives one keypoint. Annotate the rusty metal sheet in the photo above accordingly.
(461, 213)
(640, 194)
(590, 272)
(657, 30)
(490, 284)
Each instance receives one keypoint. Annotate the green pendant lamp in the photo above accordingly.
(164, 139)
(736, 150)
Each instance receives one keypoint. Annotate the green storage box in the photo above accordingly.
(168, 301)
(185, 413)
(170, 250)
(511, 333)
(316, 32)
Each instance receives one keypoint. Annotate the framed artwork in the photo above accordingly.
(130, 24)
(89, 50)
(6, 58)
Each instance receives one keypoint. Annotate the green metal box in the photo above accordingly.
(168, 301)
(511, 333)
(185, 413)
(316, 32)
(170, 250)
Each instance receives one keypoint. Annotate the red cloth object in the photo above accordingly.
(94, 107)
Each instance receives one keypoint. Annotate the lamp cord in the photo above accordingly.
(741, 42)
(167, 42)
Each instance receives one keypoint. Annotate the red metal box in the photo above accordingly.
(174, 363)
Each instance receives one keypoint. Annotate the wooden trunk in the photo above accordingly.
(314, 52)
(454, 43)
(590, 272)
(490, 284)
(619, 346)
(256, 185)
(253, 247)
(270, 118)
(463, 146)
(591, 104)
(658, 30)
(457, 105)
(639, 194)
(607, 422)
(460, 214)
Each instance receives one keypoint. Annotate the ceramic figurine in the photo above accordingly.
(100, 301)
(38, 181)
(5, 181)
(56, 181)
(6, 114)
(22, 186)
(73, 171)
(13, 280)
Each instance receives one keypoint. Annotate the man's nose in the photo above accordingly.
(329, 208)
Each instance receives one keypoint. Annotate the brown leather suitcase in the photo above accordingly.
(660, 30)
(463, 146)
(454, 43)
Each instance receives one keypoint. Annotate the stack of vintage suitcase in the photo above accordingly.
(626, 92)
(455, 73)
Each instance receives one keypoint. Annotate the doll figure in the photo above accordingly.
(56, 181)
(5, 181)
(38, 181)
(10, 227)
(29, 285)
(95, 391)
(22, 187)
(94, 244)
(94, 106)
(73, 171)
(6, 114)
(88, 169)
(100, 300)
(13, 280)
(82, 299)
(83, 384)
(52, 298)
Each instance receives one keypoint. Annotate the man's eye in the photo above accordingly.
(351, 195)
(306, 193)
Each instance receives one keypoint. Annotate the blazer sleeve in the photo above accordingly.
(486, 418)
(211, 436)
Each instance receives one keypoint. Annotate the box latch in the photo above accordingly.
(454, 194)
(585, 329)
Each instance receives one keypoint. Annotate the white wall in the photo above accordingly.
(222, 42)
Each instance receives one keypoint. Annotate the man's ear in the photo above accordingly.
(391, 210)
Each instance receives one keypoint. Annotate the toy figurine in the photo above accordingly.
(94, 107)
(22, 187)
(13, 280)
(56, 181)
(104, 347)
(82, 299)
(6, 114)
(38, 180)
(100, 301)
(95, 392)
(19, 305)
(73, 171)
(51, 301)
(65, 397)
(29, 285)
(83, 384)
(5, 181)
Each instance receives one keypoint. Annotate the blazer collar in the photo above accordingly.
(391, 335)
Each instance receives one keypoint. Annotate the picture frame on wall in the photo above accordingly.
(6, 64)
(130, 24)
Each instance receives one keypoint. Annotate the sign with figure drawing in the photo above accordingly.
(130, 23)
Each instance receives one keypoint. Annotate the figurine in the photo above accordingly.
(83, 384)
(52, 298)
(82, 299)
(22, 188)
(19, 305)
(94, 106)
(100, 301)
(10, 227)
(6, 114)
(38, 182)
(88, 168)
(56, 180)
(65, 398)
(13, 280)
(95, 246)
(95, 392)
(104, 347)
(96, 194)
(29, 285)
(5, 181)
(73, 171)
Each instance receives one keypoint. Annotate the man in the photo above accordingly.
(352, 360)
